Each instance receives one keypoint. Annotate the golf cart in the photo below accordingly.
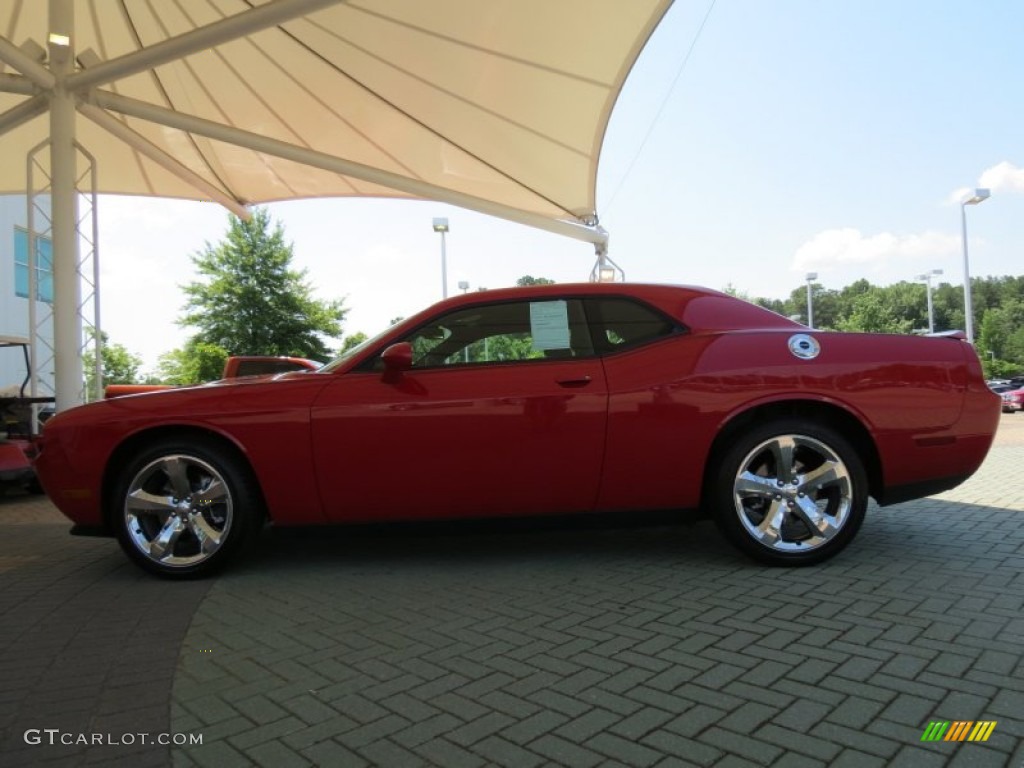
(18, 416)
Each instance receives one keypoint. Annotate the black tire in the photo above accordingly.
(805, 516)
(199, 498)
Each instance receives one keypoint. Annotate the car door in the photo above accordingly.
(655, 450)
(502, 413)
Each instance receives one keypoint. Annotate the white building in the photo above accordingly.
(14, 290)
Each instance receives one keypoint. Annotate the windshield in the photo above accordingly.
(348, 354)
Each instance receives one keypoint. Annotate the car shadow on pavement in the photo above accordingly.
(482, 542)
(925, 532)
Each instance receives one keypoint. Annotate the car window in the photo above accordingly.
(619, 323)
(503, 333)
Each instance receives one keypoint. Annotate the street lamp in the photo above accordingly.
(979, 196)
(927, 277)
(811, 277)
(441, 225)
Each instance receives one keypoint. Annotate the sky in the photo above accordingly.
(781, 138)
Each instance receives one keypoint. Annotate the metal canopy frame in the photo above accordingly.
(39, 221)
(58, 87)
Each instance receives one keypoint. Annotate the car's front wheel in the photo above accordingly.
(183, 508)
(789, 492)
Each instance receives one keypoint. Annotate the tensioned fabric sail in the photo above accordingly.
(504, 101)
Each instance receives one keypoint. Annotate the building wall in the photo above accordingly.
(13, 308)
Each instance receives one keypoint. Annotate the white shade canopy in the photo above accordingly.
(495, 105)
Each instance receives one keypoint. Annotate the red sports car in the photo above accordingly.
(536, 401)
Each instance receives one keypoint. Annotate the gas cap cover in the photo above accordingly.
(804, 346)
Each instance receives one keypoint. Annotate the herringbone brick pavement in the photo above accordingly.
(647, 647)
(88, 644)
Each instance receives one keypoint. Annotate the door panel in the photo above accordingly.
(463, 441)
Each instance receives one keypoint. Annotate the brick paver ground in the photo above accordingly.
(88, 643)
(657, 646)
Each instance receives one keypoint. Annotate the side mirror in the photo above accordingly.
(397, 357)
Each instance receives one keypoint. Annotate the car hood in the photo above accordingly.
(199, 403)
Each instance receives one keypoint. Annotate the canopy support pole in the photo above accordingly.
(16, 83)
(67, 329)
(35, 72)
(22, 113)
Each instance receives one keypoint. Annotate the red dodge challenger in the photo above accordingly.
(538, 401)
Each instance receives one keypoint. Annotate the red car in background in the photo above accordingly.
(1013, 400)
(536, 401)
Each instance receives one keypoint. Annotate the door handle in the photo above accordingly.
(582, 381)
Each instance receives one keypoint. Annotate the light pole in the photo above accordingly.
(464, 286)
(811, 277)
(927, 277)
(441, 225)
(979, 196)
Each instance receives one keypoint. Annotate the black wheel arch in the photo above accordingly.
(140, 441)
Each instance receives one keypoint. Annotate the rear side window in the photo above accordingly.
(618, 323)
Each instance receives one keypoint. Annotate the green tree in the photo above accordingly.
(871, 312)
(352, 341)
(948, 303)
(117, 365)
(527, 280)
(250, 301)
(194, 363)
(825, 303)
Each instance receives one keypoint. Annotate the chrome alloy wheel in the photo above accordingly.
(178, 511)
(793, 493)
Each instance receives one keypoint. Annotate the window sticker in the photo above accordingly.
(549, 324)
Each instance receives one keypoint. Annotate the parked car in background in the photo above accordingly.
(539, 400)
(1013, 400)
(235, 367)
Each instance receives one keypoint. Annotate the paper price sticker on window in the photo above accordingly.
(549, 324)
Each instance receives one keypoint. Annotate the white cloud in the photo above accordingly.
(1004, 177)
(1000, 178)
(837, 247)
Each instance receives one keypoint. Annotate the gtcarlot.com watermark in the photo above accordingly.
(55, 737)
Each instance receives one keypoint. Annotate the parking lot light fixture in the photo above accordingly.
(927, 277)
(811, 277)
(441, 225)
(979, 196)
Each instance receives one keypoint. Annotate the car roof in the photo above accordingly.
(638, 290)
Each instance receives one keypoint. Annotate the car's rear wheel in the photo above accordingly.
(183, 508)
(789, 492)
